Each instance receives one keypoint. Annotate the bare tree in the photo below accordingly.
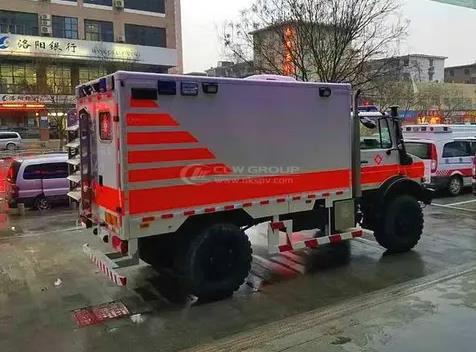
(385, 93)
(327, 40)
(445, 98)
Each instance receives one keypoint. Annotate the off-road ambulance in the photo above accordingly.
(174, 169)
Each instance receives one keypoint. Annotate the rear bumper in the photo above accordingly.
(13, 202)
(439, 182)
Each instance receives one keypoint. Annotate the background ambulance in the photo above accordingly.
(448, 151)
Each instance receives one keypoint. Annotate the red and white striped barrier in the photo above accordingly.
(286, 226)
(106, 267)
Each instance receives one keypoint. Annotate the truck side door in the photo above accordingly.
(379, 157)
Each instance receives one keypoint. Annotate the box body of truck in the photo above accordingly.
(165, 149)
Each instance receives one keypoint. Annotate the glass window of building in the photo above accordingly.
(143, 35)
(146, 5)
(17, 78)
(58, 79)
(18, 22)
(65, 27)
(87, 74)
(99, 31)
(99, 2)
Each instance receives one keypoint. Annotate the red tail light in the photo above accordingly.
(120, 245)
(434, 158)
(14, 191)
(10, 174)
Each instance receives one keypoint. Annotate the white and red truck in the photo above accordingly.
(175, 168)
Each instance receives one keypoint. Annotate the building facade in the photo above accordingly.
(416, 67)
(47, 47)
(231, 69)
(461, 74)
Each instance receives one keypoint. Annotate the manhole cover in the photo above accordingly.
(98, 314)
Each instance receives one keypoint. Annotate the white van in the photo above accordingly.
(10, 140)
(448, 151)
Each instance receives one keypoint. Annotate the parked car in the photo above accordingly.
(10, 140)
(38, 181)
(448, 152)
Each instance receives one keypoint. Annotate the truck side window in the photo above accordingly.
(385, 135)
(378, 138)
(105, 126)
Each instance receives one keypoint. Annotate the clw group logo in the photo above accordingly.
(4, 42)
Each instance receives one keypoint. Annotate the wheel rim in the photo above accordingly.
(455, 186)
(43, 204)
(11, 147)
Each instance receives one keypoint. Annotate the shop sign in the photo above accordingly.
(35, 98)
(22, 45)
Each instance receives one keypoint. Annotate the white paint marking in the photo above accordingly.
(452, 207)
(460, 203)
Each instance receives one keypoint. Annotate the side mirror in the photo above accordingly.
(370, 124)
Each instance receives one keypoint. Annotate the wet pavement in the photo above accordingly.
(36, 314)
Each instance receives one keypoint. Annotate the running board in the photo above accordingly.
(107, 266)
(274, 229)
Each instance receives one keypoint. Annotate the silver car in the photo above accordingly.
(10, 140)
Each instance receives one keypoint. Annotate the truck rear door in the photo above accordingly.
(99, 130)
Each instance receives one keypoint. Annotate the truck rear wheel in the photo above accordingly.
(401, 226)
(217, 262)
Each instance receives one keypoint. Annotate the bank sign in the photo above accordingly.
(21, 45)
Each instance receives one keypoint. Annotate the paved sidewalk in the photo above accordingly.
(437, 315)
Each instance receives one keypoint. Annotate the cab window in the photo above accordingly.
(377, 138)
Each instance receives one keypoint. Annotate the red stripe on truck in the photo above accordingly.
(109, 198)
(191, 195)
(143, 103)
(141, 138)
(378, 174)
(152, 156)
(176, 172)
(150, 120)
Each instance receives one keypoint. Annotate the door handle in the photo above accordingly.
(364, 161)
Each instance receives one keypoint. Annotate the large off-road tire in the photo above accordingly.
(216, 262)
(401, 225)
(159, 251)
(455, 186)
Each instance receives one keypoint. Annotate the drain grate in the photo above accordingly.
(98, 314)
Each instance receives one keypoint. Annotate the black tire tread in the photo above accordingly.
(239, 277)
(387, 236)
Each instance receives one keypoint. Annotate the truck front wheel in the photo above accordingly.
(401, 225)
(217, 262)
